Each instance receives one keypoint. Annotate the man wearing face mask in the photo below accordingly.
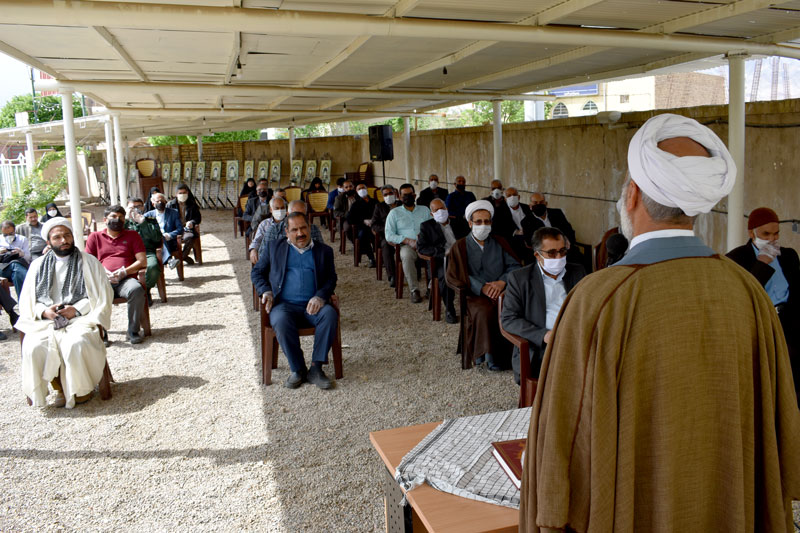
(359, 217)
(170, 223)
(343, 202)
(665, 398)
(186, 205)
(150, 232)
(777, 269)
(508, 223)
(335, 192)
(534, 295)
(378, 224)
(458, 200)
(402, 228)
(121, 252)
(432, 191)
(15, 256)
(32, 231)
(278, 231)
(278, 207)
(480, 264)
(436, 237)
(260, 203)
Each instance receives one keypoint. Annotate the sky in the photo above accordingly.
(16, 78)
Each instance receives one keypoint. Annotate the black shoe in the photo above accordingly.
(106, 342)
(494, 368)
(135, 338)
(318, 378)
(149, 300)
(391, 282)
(415, 297)
(450, 318)
(294, 380)
(3, 336)
(188, 260)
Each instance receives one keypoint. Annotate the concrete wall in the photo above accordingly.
(578, 163)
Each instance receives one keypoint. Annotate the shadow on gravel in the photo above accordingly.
(181, 334)
(129, 396)
(195, 281)
(190, 299)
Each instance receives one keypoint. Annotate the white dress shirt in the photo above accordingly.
(660, 234)
(16, 242)
(554, 294)
(517, 214)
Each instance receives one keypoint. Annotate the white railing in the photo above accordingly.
(12, 171)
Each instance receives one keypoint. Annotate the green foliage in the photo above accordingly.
(482, 113)
(48, 109)
(169, 140)
(219, 137)
(548, 109)
(34, 190)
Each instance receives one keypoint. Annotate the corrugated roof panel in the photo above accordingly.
(634, 14)
(480, 10)
(60, 42)
(375, 7)
(751, 25)
(161, 45)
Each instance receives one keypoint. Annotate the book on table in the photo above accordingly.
(510, 454)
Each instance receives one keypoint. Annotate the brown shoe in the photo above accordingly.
(83, 399)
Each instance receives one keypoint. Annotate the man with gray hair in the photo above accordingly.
(278, 231)
(277, 207)
(665, 398)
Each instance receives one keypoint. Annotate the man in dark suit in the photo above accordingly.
(509, 223)
(544, 216)
(778, 269)
(378, 224)
(534, 295)
(169, 221)
(435, 238)
(257, 204)
(432, 191)
(296, 279)
(498, 201)
(359, 217)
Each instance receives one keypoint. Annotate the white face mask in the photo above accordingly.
(554, 267)
(279, 214)
(760, 243)
(183, 197)
(481, 232)
(512, 201)
(441, 216)
(389, 199)
(340, 189)
(52, 212)
(434, 184)
(497, 194)
(363, 193)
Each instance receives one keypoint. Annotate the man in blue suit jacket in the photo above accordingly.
(296, 278)
(169, 220)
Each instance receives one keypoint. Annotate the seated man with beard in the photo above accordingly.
(66, 296)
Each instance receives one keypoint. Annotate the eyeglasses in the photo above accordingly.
(554, 254)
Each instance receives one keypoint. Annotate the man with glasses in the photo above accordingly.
(534, 295)
(480, 264)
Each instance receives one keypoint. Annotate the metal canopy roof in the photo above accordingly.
(194, 66)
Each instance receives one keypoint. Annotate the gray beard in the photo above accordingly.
(625, 224)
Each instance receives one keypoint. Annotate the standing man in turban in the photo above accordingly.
(777, 269)
(665, 399)
(66, 296)
(479, 264)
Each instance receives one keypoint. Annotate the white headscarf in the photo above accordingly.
(479, 205)
(52, 223)
(693, 183)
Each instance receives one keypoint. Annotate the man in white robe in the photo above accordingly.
(65, 297)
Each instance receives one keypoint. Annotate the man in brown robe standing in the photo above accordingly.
(665, 401)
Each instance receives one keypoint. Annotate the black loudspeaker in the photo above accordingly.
(380, 143)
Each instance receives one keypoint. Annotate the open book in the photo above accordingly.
(510, 454)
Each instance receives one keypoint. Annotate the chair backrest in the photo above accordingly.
(146, 167)
(318, 202)
(371, 191)
(379, 195)
(243, 202)
(293, 193)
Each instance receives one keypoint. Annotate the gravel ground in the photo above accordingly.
(191, 439)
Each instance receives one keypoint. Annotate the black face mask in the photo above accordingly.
(539, 210)
(115, 224)
(262, 194)
(161, 206)
(351, 192)
(461, 188)
(408, 200)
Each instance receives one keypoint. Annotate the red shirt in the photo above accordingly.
(115, 253)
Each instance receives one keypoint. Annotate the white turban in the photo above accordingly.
(52, 223)
(478, 205)
(693, 183)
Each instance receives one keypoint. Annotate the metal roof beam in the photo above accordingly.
(19, 55)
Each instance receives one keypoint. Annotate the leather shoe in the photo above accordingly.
(371, 263)
(415, 297)
(135, 338)
(188, 260)
(318, 378)
(450, 318)
(294, 380)
(3, 336)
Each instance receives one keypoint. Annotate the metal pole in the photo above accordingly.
(407, 147)
(111, 177)
(497, 122)
(122, 171)
(72, 167)
(33, 94)
(736, 118)
(29, 156)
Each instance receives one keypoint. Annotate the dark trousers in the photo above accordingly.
(365, 238)
(287, 318)
(131, 290)
(387, 251)
(16, 273)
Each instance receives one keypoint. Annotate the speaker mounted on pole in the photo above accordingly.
(380, 143)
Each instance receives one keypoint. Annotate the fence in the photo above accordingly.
(12, 171)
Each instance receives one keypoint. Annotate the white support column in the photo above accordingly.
(73, 184)
(202, 181)
(736, 117)
(122, 170)
(199, 146)
(407, 148)
(111, 176)
(291, 145)
(497, 121)
(30, 158)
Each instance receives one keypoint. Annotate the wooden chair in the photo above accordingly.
(318, 208)
(269, 344)
(399, 275)
(238, 221)
(178, 254)
(527, 384)
(435, 302)
(89, 222)
(378, 255)
(104, 387)
(146, 311)
(342, 237)
(161, 284)
(294, 193)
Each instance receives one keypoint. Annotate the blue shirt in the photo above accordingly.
(332, 197)
(300, 283)
(404, 224)
(777, 287)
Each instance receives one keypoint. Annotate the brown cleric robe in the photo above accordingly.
(665, 403)
(468, 271)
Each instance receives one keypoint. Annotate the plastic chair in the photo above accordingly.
(318, 208)
(527, 384)
(238, 221)
(293, 193)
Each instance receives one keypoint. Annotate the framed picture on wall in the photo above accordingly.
(263, 170)
(310, 171)
(104, 173)
(325, 171)
(201, 170)
(248, 169)
(233, 170)
(216, 170)
(275, 171)
(166, 171)
(296, 172)
(133, 174)
(176, 171)
(187, 172)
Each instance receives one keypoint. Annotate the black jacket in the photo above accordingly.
(557, 220)
(379, 215)
(746, 257)
(360, 211)
(426, 196)
(191, 210)
(503, 222)
(431, 241)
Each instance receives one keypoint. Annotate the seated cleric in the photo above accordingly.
(65, 298)
(295, 278)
